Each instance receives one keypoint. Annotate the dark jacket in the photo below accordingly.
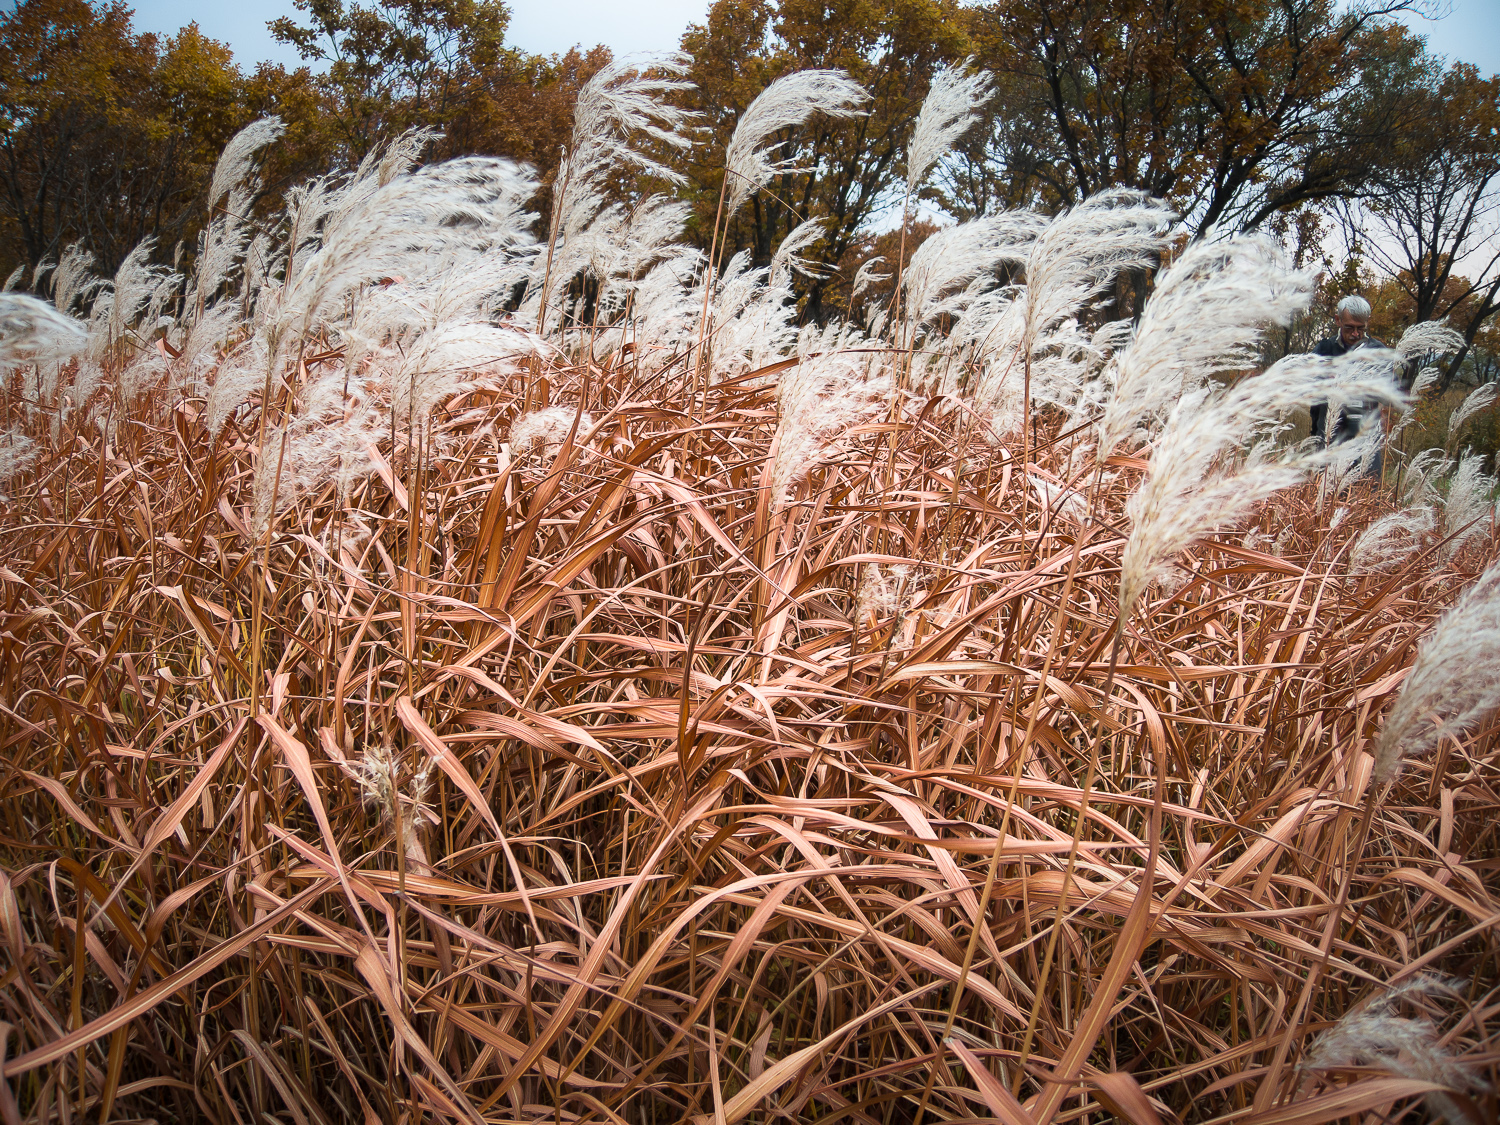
(1351, 417)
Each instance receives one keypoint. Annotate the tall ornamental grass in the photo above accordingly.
(451, 671)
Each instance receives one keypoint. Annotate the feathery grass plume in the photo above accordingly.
(34, 331)
(1205, 316)
(1391, 540)
(308, 206)
(238, 375)
(883, 592)
(1468, 508)
(139, 376)
(14, 279)
(1081, 251)
(536, 436)
(1427, 380)
(939, 276)
(136, 295)
(1454, 680)
(784, 104)
(618, 248)
(665, 307)
(417, 223)
(417, 345)
(447, 359)
(1065, 501)
(625, 97)
(236, 164)
(867, 275)
(1067, 365)
(786, 262)
(948, 111)
(219, 250)
(74, 279)
(43, 269)
(388, 320)
(1422, 344)
(645, 239)
(1194, 486)
(17, 453)
(1377, 1035)
(753, 321)
(1072, 260)
(1419, 477)
(1064, 370)
(88, 380)
(818, 401)
(1481, 398)
(377, 773)
(198, 351)
(260, 264)
(310, 452)
(1350, 461)
(621, 250)
(1428, 340)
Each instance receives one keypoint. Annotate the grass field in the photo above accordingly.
(631, 736)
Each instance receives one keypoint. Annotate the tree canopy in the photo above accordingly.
(1293, 114)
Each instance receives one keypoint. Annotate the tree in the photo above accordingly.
(442, 64)
(521, 106)
(1433, 221)
(105, 136)
(398, 63)
(890, 46)
(1234, 111)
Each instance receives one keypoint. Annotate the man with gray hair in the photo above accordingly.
(1351, 318)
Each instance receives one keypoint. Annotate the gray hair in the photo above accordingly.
(1355, 305)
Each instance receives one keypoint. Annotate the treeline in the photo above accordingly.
(108, 136)
(1297, 115)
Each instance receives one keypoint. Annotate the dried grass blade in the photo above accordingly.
(164, 989)
(996, 1094)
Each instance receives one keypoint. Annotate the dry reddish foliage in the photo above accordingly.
(591, 787)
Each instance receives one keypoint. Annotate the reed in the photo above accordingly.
(407, 715)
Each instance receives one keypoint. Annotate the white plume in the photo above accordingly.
(617, 102)
(416, 223)
(1467, 510)
(950, 259)
(236, 163)
(1205, 316)
(819, 400)
(1481, 398)
(867, 275)
(784, 104)
(1082, 251)
(74, 278)
(1427, 467)
(1454, 680)
(1391, 540)
(33, 331)
(785, 261)
(949, 110)
(1375, 1035)
(1428, 340)
(1194, 486)
(17, 453)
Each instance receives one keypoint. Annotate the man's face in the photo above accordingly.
(1351, 328)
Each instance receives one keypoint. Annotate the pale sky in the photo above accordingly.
(543, 27)
(1471, 32)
